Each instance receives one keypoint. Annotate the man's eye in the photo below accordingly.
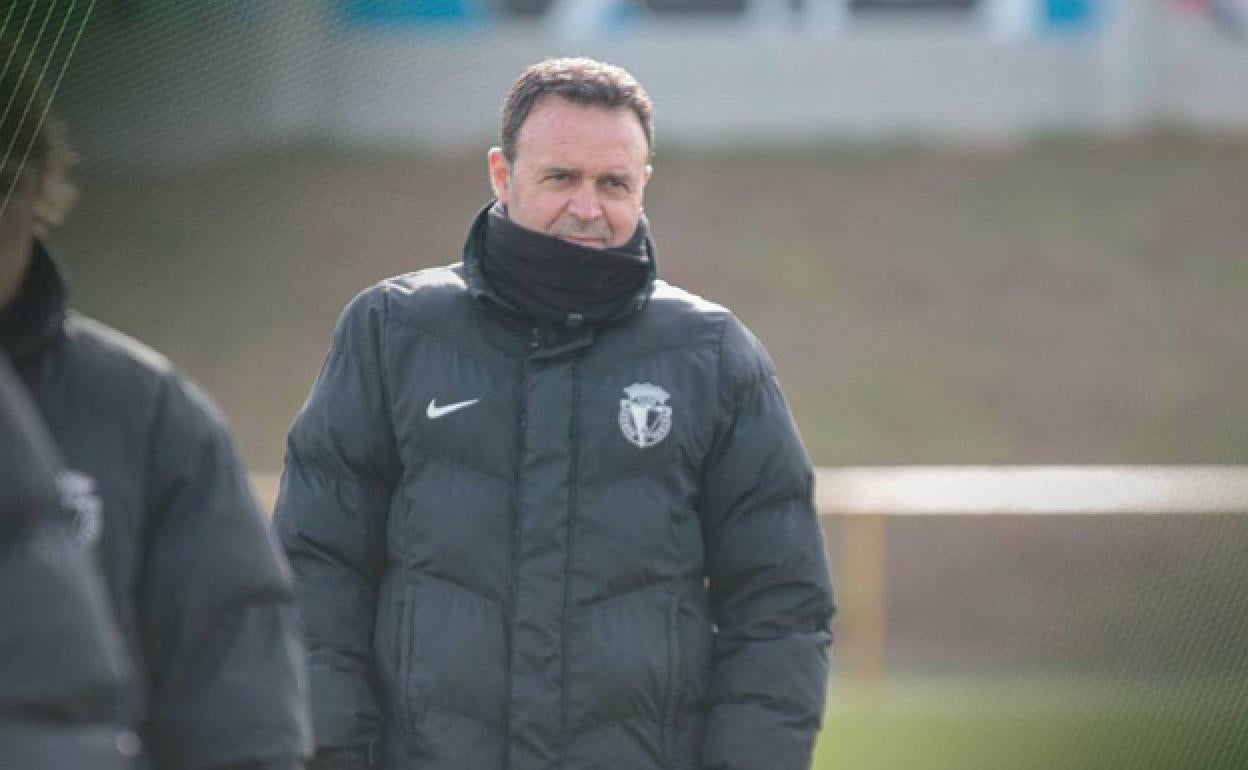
(557, 176)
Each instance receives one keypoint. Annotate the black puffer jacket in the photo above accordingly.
(503, 542)
(62, 670)
(201, 594)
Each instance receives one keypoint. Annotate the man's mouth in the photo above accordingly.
(585, 240)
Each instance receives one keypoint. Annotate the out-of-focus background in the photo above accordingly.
(968, 231)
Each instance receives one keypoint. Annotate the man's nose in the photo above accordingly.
(585, 204)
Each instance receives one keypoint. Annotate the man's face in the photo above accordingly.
(17, 227)
(579, 172)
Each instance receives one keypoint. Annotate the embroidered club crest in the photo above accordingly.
(645, 417)
(79, 498)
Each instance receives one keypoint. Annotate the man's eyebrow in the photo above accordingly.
(614, 176)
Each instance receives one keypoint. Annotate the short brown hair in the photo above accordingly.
(30, 135)
(582, 81)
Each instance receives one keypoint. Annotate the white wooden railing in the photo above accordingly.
(868, 497)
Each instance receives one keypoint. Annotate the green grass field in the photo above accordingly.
(1037, 724)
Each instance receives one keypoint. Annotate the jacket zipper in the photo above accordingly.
(672, 696)
(574, 443)
(522, 422)
(407, 712)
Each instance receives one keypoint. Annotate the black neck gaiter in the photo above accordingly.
(551, 279)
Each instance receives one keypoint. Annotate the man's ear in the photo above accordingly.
(500, 174)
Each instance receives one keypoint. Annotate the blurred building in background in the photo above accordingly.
(174, 82)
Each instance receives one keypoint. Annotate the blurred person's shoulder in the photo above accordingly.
(112, 370)
(100, 349)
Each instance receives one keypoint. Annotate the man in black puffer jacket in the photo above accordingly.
(200, 593)
(546, 511)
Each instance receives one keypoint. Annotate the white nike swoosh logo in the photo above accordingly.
(434, 411)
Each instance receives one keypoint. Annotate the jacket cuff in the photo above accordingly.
(356, 758)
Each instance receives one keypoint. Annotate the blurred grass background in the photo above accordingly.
(1037, 724)
(1074, 302)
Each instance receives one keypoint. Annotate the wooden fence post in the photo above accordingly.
(864, 604)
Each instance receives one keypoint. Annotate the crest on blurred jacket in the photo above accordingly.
(79, 499)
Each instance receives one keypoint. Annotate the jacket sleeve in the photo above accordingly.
(770, 594)
(217, 616)
(341, 468)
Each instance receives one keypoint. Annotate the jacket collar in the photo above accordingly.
(479, 286)
(36, 316)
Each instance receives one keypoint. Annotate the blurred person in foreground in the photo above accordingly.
(62, 668)
(200, 593)
(545, 510)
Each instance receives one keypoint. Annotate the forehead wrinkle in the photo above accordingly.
(590, 143)
(586, 161)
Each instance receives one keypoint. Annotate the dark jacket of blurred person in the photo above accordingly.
(62, 666)
(547, 511)
(200, 593)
